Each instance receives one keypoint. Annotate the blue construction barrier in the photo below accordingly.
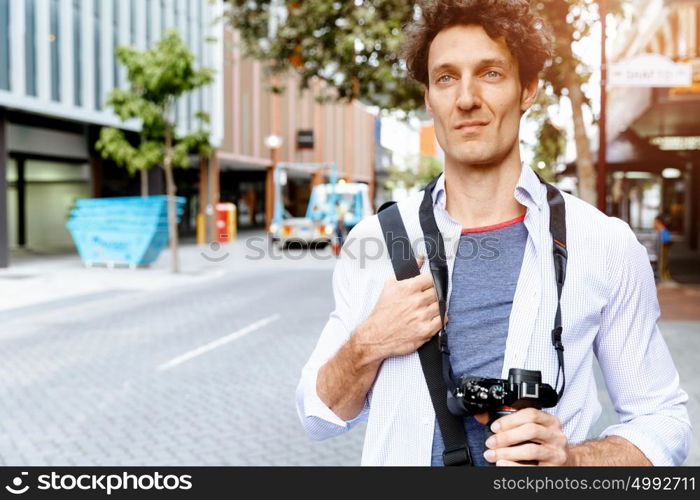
(130, 230)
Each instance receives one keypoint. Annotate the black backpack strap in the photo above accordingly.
(404, 263)
(385, 205)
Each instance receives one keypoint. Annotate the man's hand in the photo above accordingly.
(404, 318)
(528, 424)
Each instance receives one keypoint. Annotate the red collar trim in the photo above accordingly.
(495, 226)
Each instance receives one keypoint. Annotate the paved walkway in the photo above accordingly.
(32, 280)
(679, 302)
(35, 288)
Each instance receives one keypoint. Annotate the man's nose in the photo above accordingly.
(468, 97)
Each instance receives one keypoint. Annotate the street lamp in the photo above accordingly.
(273, 142)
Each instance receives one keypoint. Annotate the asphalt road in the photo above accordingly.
(196, 375)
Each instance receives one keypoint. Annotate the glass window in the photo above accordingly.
(162, 16)
(132, 24)
(176, 17)
(5, 44)
(77, 54)
(189, 36)
(200, 52)
(97, 56)
(115, 42)
(189, 28)
(149, 31)
(55, 41)
(30, 46)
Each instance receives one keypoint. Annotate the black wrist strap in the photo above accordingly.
(403, 261)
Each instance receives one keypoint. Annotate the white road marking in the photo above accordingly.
(218, 342)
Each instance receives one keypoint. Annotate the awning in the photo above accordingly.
(631, 153)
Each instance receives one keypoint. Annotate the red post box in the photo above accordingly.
(225, 222)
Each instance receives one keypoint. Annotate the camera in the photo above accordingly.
(498, 397)
(523, 389)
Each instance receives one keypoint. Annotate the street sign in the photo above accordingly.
(305, 139)
(650, 70)
(674, 143)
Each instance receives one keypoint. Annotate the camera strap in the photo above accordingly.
(434, 354)
(438, 267)
(557, 228)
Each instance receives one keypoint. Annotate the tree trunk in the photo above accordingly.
(585, 169)
(144, 182)
(170, 189)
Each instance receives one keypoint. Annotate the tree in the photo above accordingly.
(419, 171)
(352, 46)
(157, 77)
(570, 21)
(550, 140)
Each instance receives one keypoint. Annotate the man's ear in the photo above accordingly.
(529, 94)
(427, 103)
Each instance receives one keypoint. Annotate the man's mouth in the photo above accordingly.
(470, 126)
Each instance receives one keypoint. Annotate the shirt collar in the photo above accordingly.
(528, 191)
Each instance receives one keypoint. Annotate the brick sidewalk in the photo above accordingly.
(679, 302)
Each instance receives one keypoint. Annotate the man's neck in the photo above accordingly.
(480, 196)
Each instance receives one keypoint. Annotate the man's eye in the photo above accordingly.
(493, 74)
(444, 78)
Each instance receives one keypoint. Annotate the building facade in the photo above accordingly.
(57, 66)
(655, 129)
(311, 132)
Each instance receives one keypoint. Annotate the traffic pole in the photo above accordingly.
(601, 178)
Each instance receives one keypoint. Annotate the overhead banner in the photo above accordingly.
(650, 70)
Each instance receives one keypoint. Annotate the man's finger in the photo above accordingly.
(509, 463)
(526, 432)
(428, 297)
(421, 282)
(523, 417)
(521, 453)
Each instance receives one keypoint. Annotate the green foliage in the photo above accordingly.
(570, 21)
(420, 170)
(114, 145)
(550, 143)
(351, 45)
(157, 77)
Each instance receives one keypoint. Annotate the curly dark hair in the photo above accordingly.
(526, 35)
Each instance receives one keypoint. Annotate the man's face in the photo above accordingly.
(474, 96)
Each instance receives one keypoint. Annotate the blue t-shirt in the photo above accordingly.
(485, 273)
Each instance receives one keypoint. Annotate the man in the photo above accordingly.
(479, 62)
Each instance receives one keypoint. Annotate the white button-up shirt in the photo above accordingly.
(609, 310)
